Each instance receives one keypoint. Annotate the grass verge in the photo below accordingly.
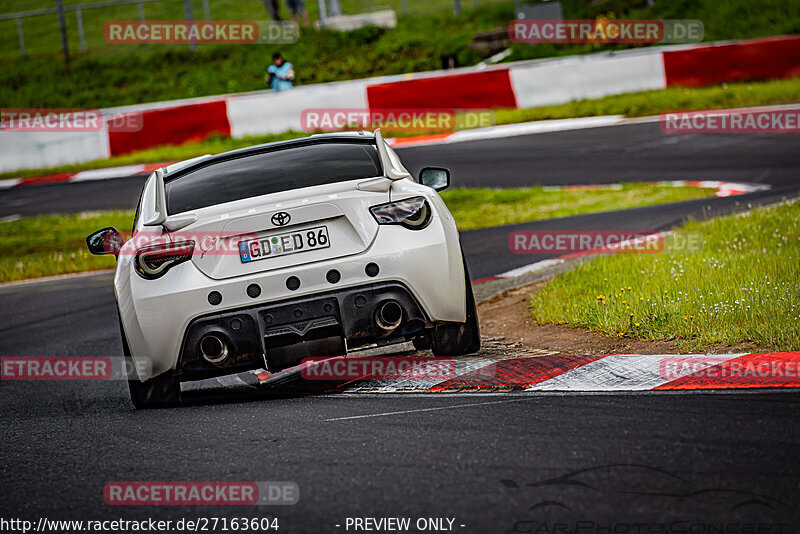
(509, 206)
(742, 287)
(54, 244)
(632, 105)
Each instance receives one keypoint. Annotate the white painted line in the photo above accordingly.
(530, 268)
(453, 407)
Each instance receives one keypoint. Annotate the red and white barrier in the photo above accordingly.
(172, 126)
(523, 84)
(471, 90)
(758, 59)
(276, 112)
(582, 77)
(589, 373)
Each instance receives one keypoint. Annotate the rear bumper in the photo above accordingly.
(268, 329)
(157, 314)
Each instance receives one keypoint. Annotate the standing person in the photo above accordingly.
(272, 9)
(298, 6)
(280, 74)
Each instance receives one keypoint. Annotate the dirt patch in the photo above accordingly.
(506, 318)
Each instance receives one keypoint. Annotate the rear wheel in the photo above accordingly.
(456, 339)
(159, 392)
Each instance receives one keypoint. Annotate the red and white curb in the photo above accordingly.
(724, 189)
(606, 373)
(109, 173)
(510, 130)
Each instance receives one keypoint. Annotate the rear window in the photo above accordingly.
(271, 172)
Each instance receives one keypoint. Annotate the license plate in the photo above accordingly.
(284, 244)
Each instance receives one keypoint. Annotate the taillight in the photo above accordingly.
(152, 262)
(413, 213)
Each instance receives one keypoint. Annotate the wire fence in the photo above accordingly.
(76, 27)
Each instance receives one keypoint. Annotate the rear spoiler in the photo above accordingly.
(392, 169)
(159, 216)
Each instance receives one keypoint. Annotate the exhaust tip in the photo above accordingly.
(213, 349)
(388, 315)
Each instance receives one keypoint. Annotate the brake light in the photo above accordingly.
(152, 262)
(413, 213)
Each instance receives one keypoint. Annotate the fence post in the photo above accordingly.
(63, 27)
(404, 7)
(206, 10)
(334, 9)
(457, 8)
(187, 5)
(21, 38)
(322, 13)
(141, 12)
(474, 4)
(81, 37)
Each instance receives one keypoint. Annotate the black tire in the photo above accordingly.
(162, 391)
(422, 342)
(458, 339)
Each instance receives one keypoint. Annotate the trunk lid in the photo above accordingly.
(336, 213)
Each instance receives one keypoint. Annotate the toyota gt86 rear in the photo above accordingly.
(264, 256)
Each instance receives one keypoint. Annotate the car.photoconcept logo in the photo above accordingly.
(281, 218)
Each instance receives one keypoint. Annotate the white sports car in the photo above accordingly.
(270, 254)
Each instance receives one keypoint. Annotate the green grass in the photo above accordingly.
(509, 206)
(113, 75)
(632, 105)
(744, 286)
(55, 244)
(131, 74)
(722, 19)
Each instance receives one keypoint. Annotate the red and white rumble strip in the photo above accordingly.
(110, 173)
(616, 372)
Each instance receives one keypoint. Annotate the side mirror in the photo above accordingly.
(436, 177)
(105, 241)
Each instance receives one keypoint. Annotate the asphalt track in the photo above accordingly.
(625, 153)
(495, 463)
